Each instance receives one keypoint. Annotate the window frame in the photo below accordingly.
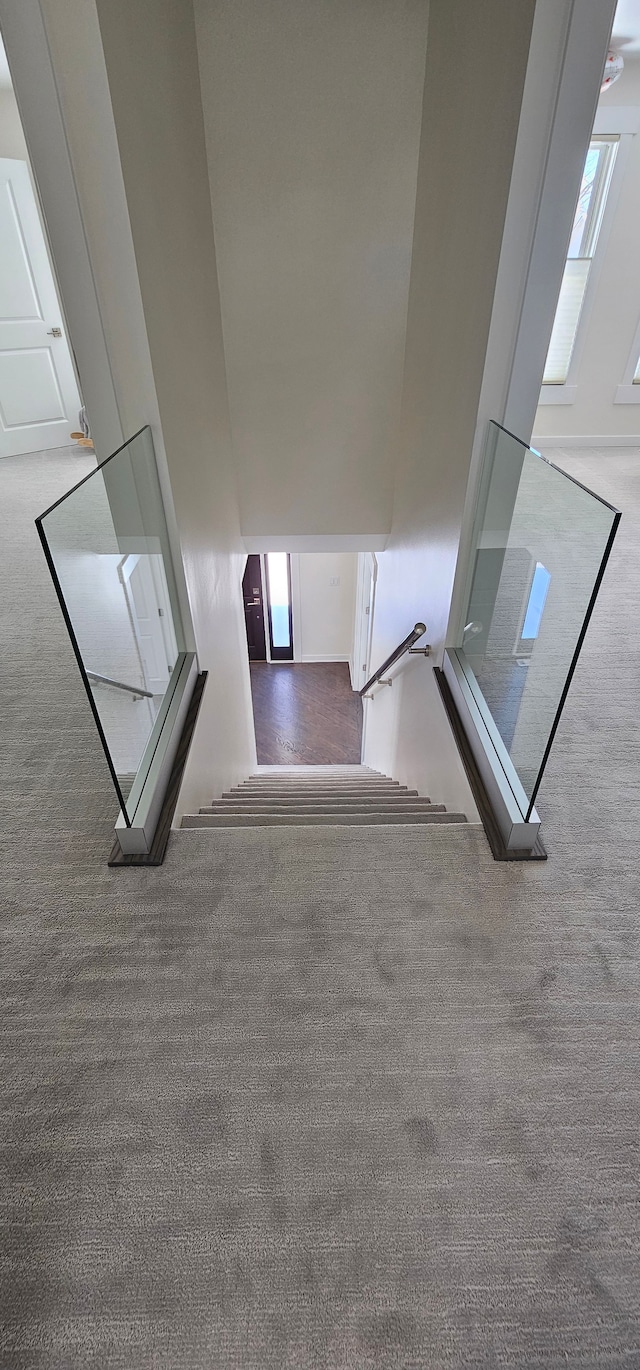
(280, 653)
(617, 124)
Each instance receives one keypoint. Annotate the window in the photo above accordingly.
(596, 180)
(537, 600)
(279, 601)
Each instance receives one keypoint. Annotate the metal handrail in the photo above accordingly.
(416, 632)
(119, 685)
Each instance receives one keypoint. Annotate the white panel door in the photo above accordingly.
(145, 586)
(39, 400)
(363, 624)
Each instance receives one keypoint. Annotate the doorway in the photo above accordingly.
(278, 566)
(253, 598)
(300, 617)
(144, 582)
(364, 610)
(39, 399)
(39, 396)
(268, 610)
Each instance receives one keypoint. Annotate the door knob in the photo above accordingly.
(54, 332)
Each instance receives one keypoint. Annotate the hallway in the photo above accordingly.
(317, 1100)
(306, 715)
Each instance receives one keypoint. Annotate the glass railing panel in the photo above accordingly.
(541, 542)
(107, 545)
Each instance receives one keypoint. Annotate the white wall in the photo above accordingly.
(151, 59)
(165, 304)
(564, 71)
(142, 189)
(312, 116)
(324, 607)
(469, 126)
(612, 310)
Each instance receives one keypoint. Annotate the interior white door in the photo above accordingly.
(146, 590)
(363, 620)
(39, 400)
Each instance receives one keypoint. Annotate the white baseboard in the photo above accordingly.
(586, 440)
(308, 657)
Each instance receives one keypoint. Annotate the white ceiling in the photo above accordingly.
(626, 28)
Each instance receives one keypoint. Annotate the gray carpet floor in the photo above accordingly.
(315, 1098)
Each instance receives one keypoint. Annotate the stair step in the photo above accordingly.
(315, 798)
(310, 791)
(315, 771)
(288, 786)
(349, 819)
(320, 806)
(322, 782)
(311, 796)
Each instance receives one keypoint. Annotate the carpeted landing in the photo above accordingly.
(315, 1099)
(310, 1101)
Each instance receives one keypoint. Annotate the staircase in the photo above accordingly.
(291, 796)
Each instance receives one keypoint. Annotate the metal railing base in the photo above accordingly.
(507, 798)
(136, 836)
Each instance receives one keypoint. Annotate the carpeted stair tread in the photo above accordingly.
(320, 784)
(317, 789)
(272, 820)
(304, 797)
(354, 777)
(317, 798)
(314, 771)
(316, 795)
(321, 806)
(342, 777)
(331, 793)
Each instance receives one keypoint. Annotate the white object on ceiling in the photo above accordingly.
(613, 68)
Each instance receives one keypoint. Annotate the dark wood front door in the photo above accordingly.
(254, 609)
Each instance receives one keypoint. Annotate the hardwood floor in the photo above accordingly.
(306, 715)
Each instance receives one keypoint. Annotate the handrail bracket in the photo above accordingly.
(407, 646)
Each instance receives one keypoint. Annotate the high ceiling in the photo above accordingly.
(626, 28)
